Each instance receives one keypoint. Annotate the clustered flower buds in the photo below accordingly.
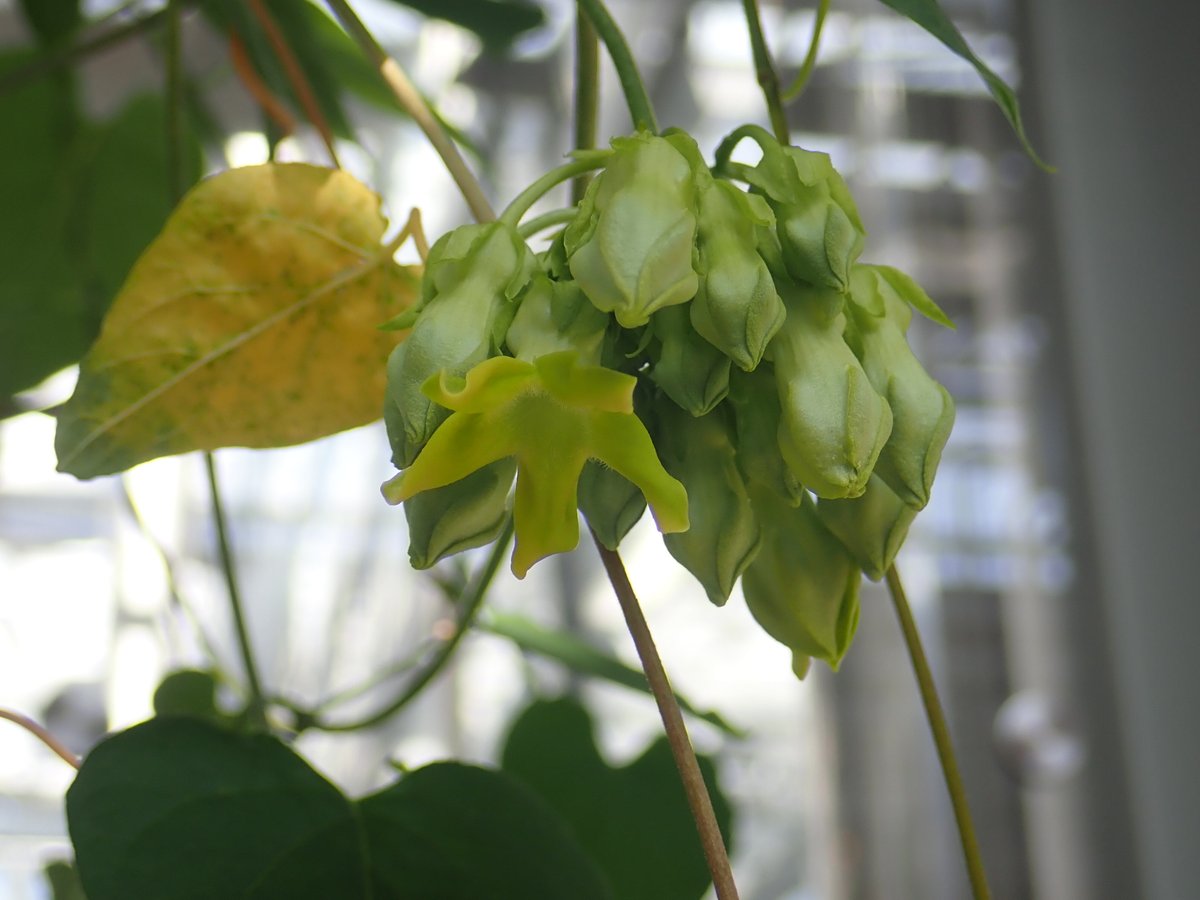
(718, 354)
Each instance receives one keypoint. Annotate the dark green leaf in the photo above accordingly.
(586, 659)
(176, 808)
(930, 16)
(52, 20)
(497, 22)
(187, 693)
(64, 880)
(180, 809)
(46, 321)
(634, 821)
(455, 832)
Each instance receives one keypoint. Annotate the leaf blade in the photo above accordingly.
(250, 321)
(929, 15)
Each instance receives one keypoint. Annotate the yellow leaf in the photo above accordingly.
(250, 321)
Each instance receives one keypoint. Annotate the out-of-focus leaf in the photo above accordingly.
(633, 820)
(249, 321)
(497, 22)
(52, 20)
(930, 16)
(41, 293)
(78, 203)
(456, 832)
(64, 880)
(180, 809)
(582, 657)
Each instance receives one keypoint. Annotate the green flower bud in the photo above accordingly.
(691, 371)
(555, 316)
(872, 527)
(630, 246)
(922, 410)
(724, 534)
(736, 308)
(471, 277)
(611, 503)
(802, 588)
(816, 218)
(468, 513)
(754, 400)
(833, 422)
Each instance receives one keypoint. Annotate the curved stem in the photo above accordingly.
(257, 708)
(410, 99)
(941, 739)
(547, 220)
(42, 735)
(636, 97)
(765, 72)
(587, 96)
(756, 133)
(470, 608)
(810, 59)
(681, 746)
(587, 162)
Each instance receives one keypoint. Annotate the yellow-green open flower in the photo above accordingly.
(552, 415)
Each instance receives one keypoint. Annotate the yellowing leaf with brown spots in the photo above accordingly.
(250, 321)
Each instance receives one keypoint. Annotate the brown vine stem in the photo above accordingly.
(42, 735)
(295, 74)
(681, 746)
(414, 104)
(941, 739)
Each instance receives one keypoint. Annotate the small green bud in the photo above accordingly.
(736, 308)
(817, 221)
(691, 371)
(630, 246)
(922, 410)
(611, 503)
(872, 527)
(555, 316)
(471, 277)
(724, 534)
(468, 513)
(833, 422)
(802, 588)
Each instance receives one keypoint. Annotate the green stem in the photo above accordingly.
(810, 59)
(587, 96)
(765, 72)
(414, 104)
(941, 739)
(589, 160)
(470, 608)
(758, 134)
(547, 220)
(257, 708)
(698, 799)
(636, 97)
(65, 56)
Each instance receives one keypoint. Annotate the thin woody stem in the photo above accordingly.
(698, 799)
(410, 99)
(941, 739)
(39, 732)
(295, 75)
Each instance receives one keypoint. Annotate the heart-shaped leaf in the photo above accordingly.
(249, 321)
(633, 821)
(179, 809)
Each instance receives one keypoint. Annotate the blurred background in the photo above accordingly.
(1050, 574)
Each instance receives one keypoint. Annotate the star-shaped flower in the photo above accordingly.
(552, 416)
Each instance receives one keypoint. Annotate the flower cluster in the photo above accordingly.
(716, 353)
